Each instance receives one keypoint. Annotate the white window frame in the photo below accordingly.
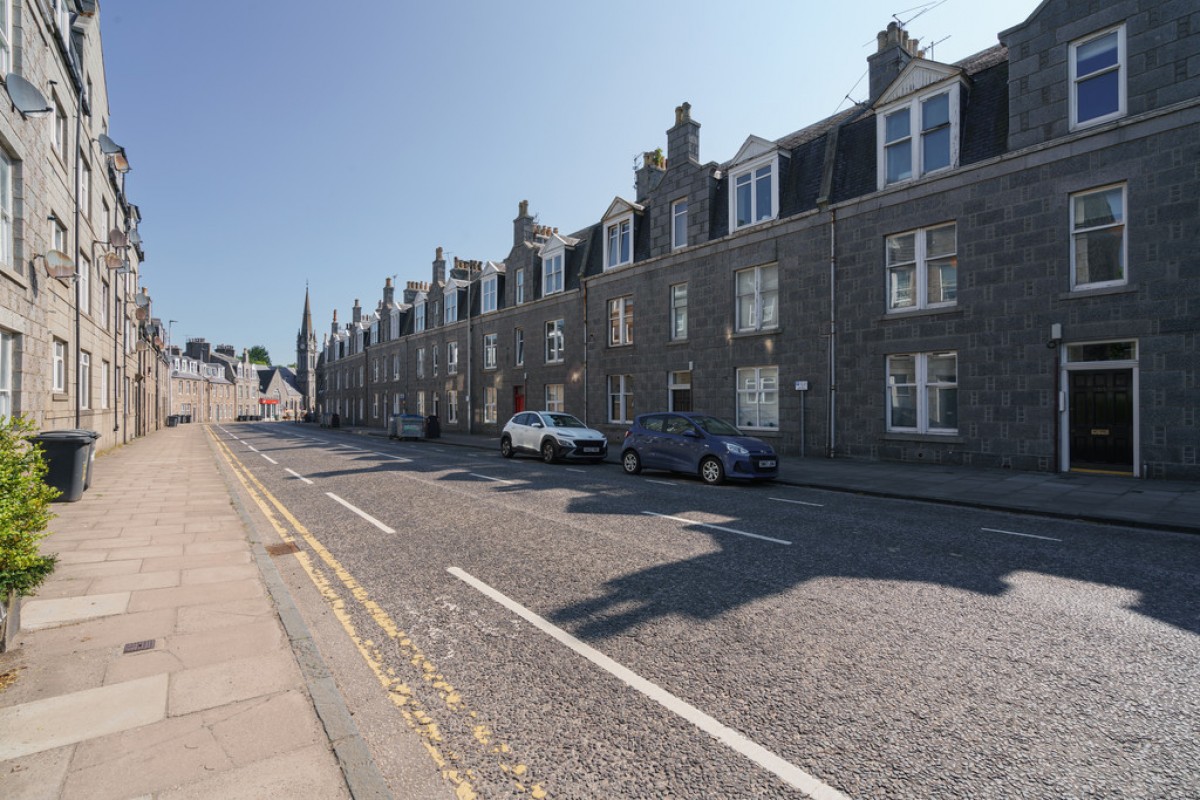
(679, 224)
(1076, 80)
(85, 187)
(105, 368)
(618, 241)
(59, 367)
(620, 398)
(758, 398)
(85, 379)
(920, 385)
(520, 288)
(914, 105)
(620, 321)
(8, 351)
(451, 358)
(555, 395)
(679, 312)
(6, 59)
(1077, 233)
(679, 380)
(451, 307)
(750, 172)
(419, 317)
(759, 302)
(519, 346)
(452, 406)
(555, 338)
(488, 298)
(433, 358)
(420, 362)
(552, 274)
(7, 242)
(489, 404)
(918, 268)
(490, 346)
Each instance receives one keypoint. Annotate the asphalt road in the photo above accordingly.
(569, 631)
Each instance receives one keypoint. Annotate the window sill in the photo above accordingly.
(926, 438)
(60, 397)
(921, 312)
(1127, 288)
(671, 342)
(751, 225)
(14, 276)
(751, 334)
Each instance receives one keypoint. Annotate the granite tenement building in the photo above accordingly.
(991, 262)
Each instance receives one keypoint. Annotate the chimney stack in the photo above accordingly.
(357, 312)
(683, 139)
(893, 52)
(333, 328)
(522, 225)
(439, 268)
(389, 294)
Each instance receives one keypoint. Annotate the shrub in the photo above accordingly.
(24, 508)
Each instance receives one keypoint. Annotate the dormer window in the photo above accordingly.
(419, 317)
(451, 306)
(552, 274)
(1097, 66)
(919, 136)
(754, 184)
(488, 303)
(618, 243)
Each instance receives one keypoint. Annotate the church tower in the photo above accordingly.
(306, 358)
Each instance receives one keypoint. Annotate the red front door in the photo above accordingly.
(518, 399)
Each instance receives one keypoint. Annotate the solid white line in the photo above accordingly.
(788, 772)
(796, 502)
(362, 514)
(397, 458)
(1026, 535)
(661, 483)
(488, 478)
(268, 458)
(298, 475)
(717, 527)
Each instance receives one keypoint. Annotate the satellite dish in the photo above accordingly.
(25, 96)
(158, 342)
(141, 345)
(141, 300)
(139, 314)
(59, 265)
(113, 261)
(117, 238)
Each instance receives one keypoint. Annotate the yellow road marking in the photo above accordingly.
(401, 695)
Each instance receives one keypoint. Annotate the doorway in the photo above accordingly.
(1101, 420)
(518, 399)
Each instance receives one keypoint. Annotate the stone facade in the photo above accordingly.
(989, 263)
(82, 347)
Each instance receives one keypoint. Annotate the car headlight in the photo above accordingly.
(736, 449)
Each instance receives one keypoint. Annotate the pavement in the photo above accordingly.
(164, 658)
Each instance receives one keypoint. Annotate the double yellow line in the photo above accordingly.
(401, 693)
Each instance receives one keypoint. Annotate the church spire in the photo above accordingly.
(306, 356)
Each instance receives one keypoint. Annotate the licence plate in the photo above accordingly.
(767, 463)
(590, 449)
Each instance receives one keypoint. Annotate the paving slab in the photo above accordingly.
(53, 612)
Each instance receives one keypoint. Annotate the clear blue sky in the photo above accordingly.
(275, 143)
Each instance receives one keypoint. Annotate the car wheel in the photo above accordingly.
(711, 471)
(506, 448)
(630, 462)
(549, 452)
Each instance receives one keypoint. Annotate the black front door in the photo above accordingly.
(1101, 426)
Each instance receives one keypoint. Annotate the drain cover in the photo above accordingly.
(134, 647)
(282, 549)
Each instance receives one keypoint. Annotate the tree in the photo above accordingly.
(24, 508)
(259, 355)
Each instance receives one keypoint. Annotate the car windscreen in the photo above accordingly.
(564, 421)
(717, 427)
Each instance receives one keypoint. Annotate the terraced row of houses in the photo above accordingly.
(80, 344)
(991, 263)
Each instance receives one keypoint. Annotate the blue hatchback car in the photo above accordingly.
(697, 444)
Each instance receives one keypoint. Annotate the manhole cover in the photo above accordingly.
(282, 549)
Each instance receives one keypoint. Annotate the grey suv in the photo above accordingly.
(552, 435)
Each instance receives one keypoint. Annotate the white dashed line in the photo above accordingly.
(268, 458)
(716, 527)
(788, 772)
(797, 502)
(488, 478)
(251, 447)
(362, 514)
(575, 469)
(1026, 535)
(661, 483)
(298, 475)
